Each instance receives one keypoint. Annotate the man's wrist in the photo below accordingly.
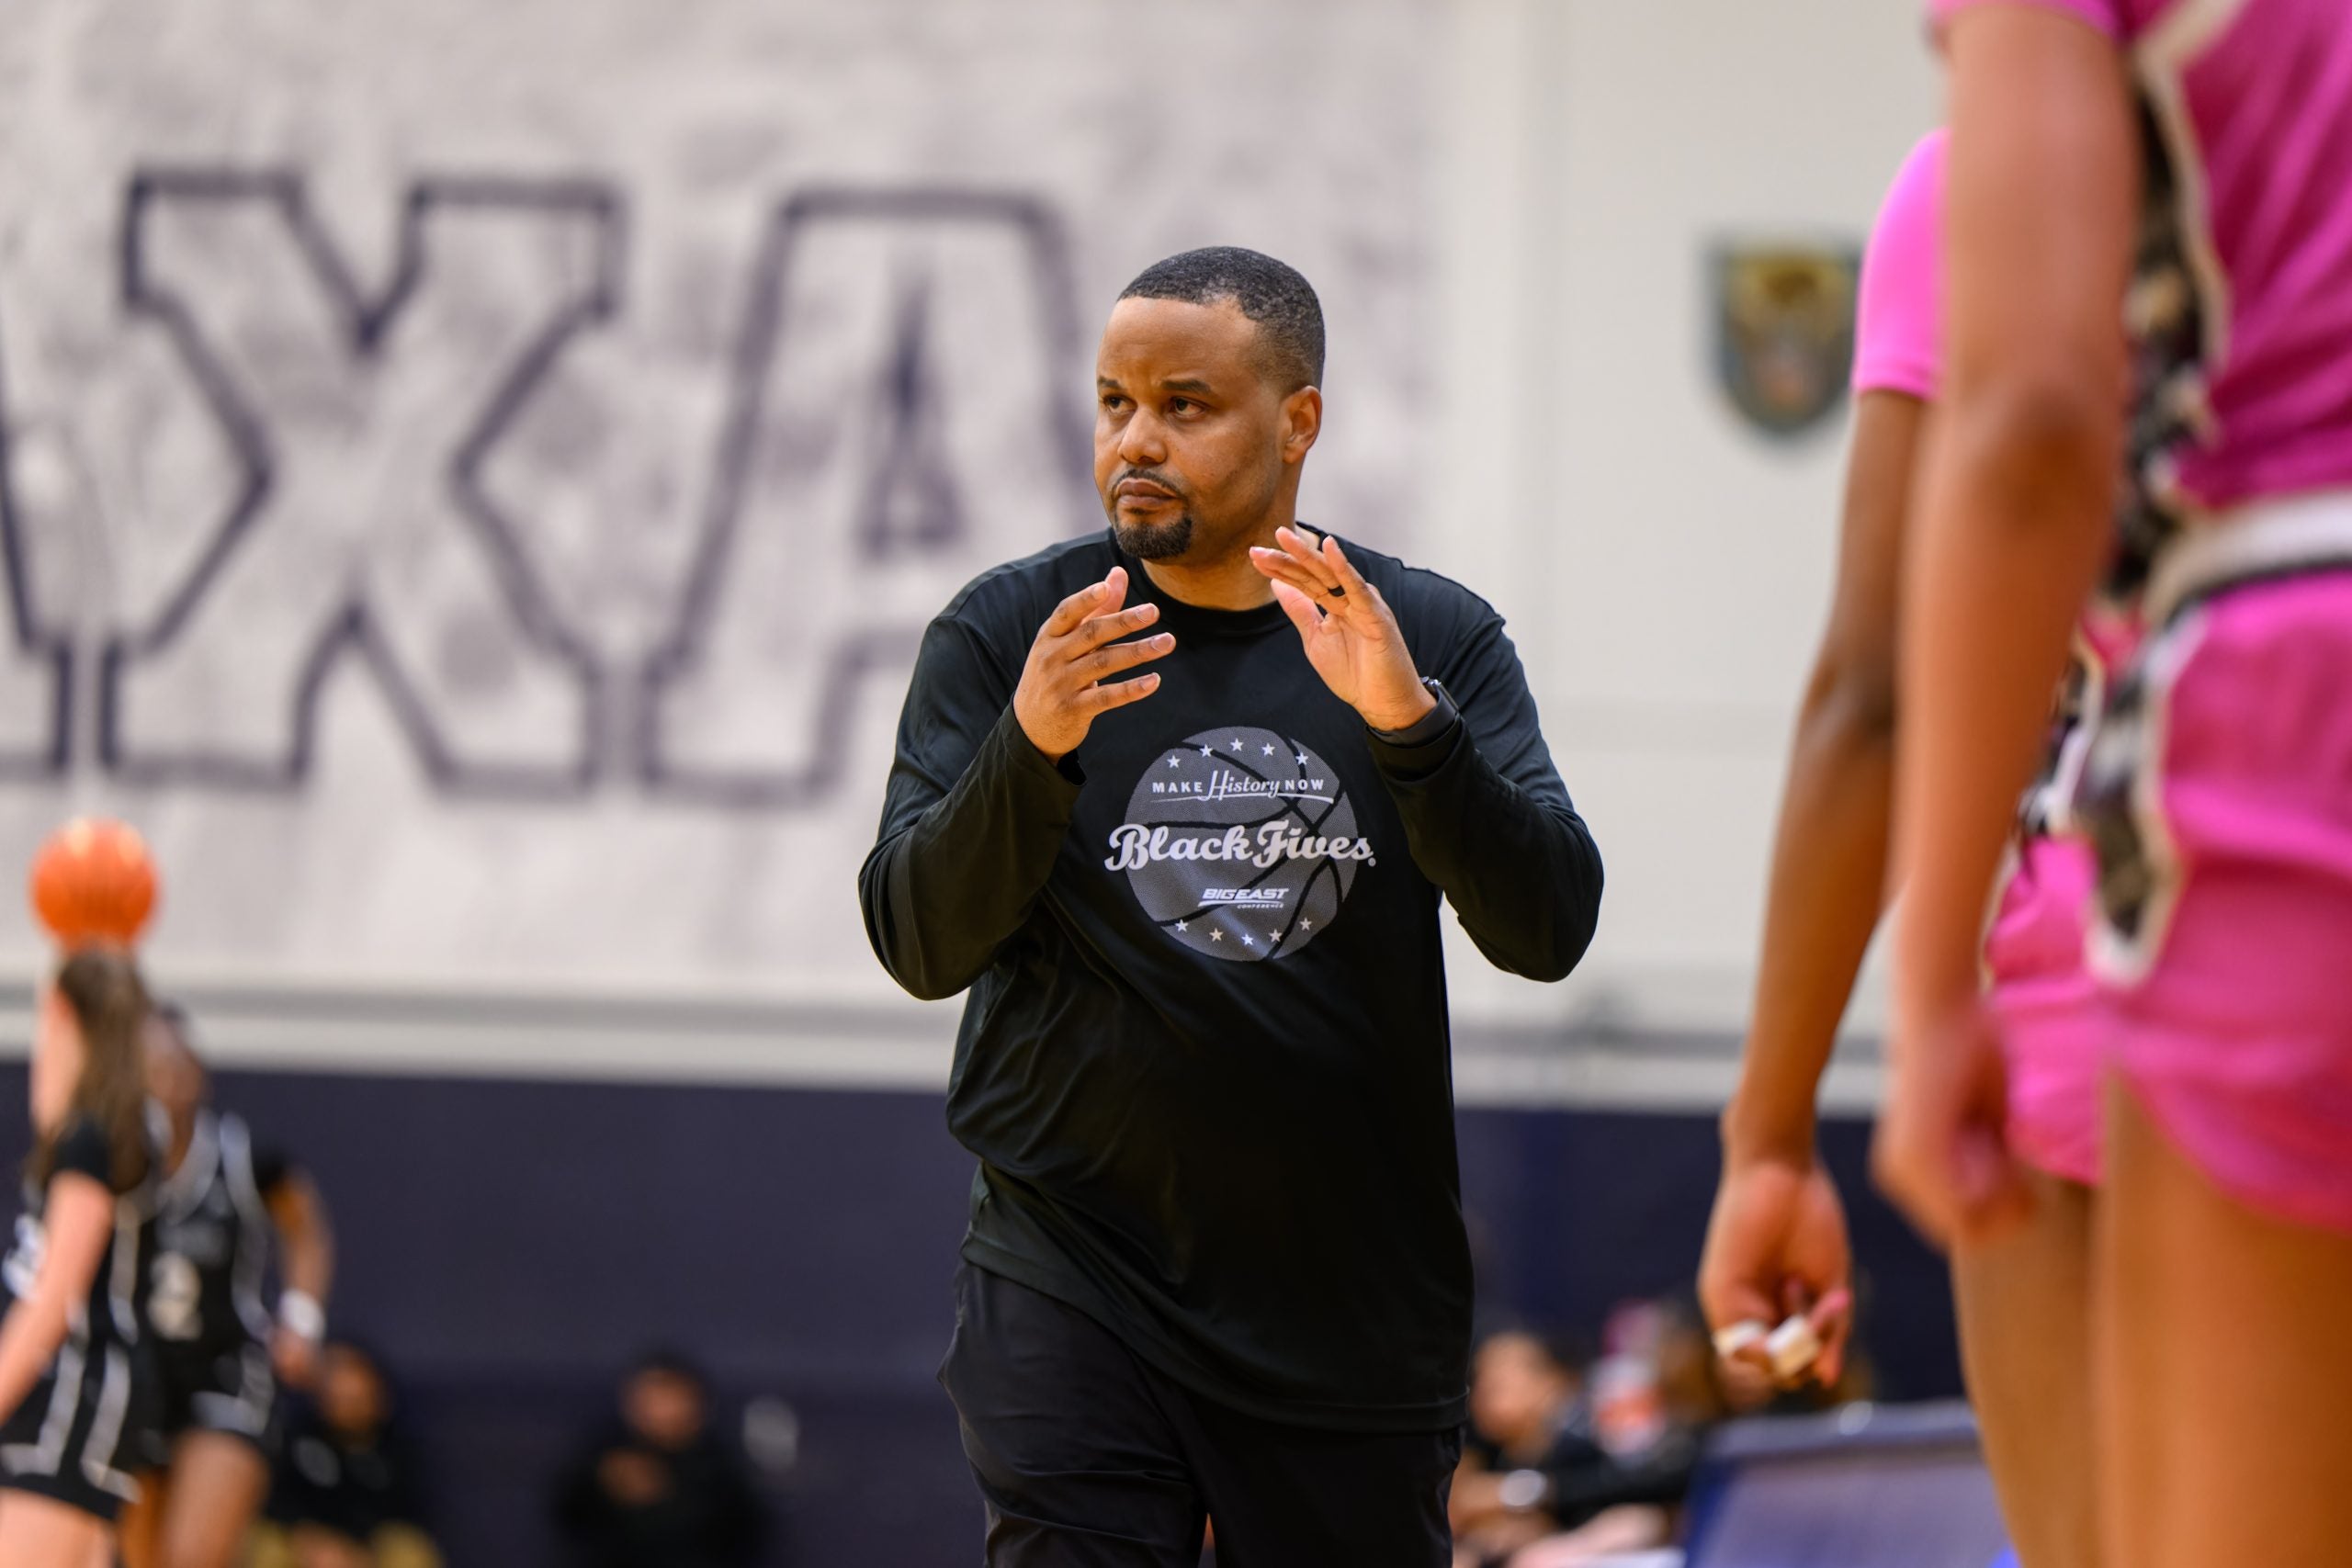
(1402, 727)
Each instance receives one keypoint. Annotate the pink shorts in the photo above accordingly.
(2225, 943)
(2049, 1008)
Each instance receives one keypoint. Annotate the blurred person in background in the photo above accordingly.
(347, 1492)
(1523, 1390)
(77, 1393)
(220, 1352)
(661, 1487)
(1215, 1263)
(1574, 1464)
(1776, 1243)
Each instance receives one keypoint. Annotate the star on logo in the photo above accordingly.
(1208, 751)
(1216, 936)
(1237, 746)
(1174, 761)
(1302, 759)
(1180, 925)
(1307, 925)
(1249, 941)
(1265, 750)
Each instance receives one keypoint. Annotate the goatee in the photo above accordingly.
(1162, 541)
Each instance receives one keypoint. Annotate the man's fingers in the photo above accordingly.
(1284, 567)
(1089, 599)
(1116, 694)
(1093, 632)
(1280, 568)
(1124, 656)
(1297, 547)
(1298, 607)
(1336, 561)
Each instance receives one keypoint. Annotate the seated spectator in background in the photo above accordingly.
(346, 1494)
(660, 1488)
(1567, 1465)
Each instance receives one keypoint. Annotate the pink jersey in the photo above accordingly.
(2246, 383)
(1896, 337)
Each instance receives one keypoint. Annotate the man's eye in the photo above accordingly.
(1181, 405)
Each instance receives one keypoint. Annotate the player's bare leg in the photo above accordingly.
(39, 1532)
(2025, 1339)
(2224, 1369)
(218, 1485)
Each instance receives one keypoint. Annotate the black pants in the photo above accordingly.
(1088, 1458)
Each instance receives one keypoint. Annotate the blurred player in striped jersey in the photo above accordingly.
(225, 1206)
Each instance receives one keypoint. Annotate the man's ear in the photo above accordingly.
(1302, 423)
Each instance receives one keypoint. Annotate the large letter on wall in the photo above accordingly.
(35, 692)
(362, 420)
(907, 409)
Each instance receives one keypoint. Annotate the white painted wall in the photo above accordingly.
(1664, 566)
(1511, 230)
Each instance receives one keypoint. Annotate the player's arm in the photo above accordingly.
(982, 790)
(306, 1260)
(1828, 875)
(78, 1220)
(1776, 1241)
(2041, 208)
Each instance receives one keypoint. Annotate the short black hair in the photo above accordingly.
(1271, 293)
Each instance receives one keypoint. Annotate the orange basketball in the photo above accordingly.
(94, 882)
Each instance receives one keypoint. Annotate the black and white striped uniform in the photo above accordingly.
(79, 1435)
(205, 1306)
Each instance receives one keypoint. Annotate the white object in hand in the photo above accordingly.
(1745, 1335)
(1793, 1347)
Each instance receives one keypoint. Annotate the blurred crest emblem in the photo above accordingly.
(1784, 331)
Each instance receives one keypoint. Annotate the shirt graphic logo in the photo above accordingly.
(1239, 844)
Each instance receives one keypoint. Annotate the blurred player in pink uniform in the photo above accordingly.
(1778, 1237)
(2190, 162)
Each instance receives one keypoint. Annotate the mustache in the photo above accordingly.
(1148, 476)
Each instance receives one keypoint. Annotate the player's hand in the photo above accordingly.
(295, 1357)
(1066, 682)
(1351, 634)
(1942, 1150)
(1776, 1248)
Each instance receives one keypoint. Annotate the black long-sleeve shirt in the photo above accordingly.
(1205, 1063)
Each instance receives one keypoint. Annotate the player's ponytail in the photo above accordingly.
(110, 1007)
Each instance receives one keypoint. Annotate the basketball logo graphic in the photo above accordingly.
(1239, 844)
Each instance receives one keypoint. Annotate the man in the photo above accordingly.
(1215, 1263)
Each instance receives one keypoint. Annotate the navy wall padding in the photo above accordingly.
(509, 1245)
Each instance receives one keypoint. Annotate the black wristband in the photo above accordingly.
(1431, 725)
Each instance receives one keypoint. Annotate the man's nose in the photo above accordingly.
(1143, 442)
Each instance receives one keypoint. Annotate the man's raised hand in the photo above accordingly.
(1349, 633)
(1066, 682)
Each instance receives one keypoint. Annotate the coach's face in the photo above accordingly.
(1195, 445)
